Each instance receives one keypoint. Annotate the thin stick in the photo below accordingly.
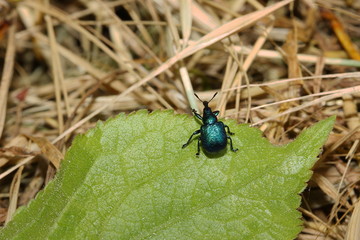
(7, 72)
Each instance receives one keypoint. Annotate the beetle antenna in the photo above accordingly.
(213, 96)
(198, 97)
(207, 101)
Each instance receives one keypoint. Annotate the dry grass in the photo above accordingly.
(67, 64)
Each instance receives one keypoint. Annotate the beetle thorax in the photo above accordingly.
(208, 116)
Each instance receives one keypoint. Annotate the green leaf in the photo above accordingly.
(129, 178)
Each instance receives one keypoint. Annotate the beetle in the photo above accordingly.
(213, 136)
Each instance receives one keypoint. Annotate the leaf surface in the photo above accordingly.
(129, 178)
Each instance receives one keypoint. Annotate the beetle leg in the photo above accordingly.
(228, 130)
(194, 133)
(198, 152)
(197, 115)
(231, 145)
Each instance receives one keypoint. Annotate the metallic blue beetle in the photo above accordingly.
(213, 137)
